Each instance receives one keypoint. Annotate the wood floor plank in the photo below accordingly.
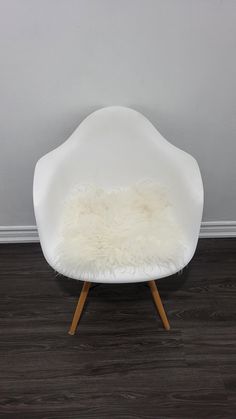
(121, 363)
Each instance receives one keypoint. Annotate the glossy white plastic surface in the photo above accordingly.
(117, 146)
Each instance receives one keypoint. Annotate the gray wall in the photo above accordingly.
(172, 60)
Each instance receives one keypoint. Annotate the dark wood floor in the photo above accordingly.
(121, 363)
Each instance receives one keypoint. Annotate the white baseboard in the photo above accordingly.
(219, 229)
(29, 234)
(18, 234)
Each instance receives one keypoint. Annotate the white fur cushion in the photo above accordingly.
(103, 230)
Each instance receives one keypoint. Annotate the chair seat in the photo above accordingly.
(120, 234)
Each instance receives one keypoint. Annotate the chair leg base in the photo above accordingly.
(157, 300)
(84, 294)
(79, 308)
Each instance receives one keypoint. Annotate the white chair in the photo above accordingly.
(117, 146)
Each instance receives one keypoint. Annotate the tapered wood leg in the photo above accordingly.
(158, 303)
(79, 308)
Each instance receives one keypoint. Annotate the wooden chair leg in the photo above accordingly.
(158, 303)
(79, 307)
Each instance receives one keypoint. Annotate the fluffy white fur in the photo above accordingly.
(103, 230)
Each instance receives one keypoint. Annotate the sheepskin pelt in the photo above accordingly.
(102, 230)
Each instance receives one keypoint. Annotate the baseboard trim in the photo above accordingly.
(29, 234)
(211, 229)
(18, 234)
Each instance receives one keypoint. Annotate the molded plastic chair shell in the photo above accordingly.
(112, 147)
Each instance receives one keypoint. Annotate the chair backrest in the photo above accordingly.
(116, 146)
